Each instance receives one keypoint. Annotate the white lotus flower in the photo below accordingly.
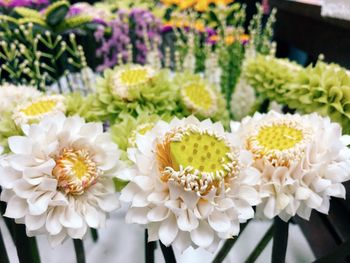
(190, 185)
(303, 161)
(35, 110)
(58, 178)
(11, 95)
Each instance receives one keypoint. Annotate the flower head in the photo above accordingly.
(190, 185)
(58, 177)
(129, 78)
(35, 110)
(11, 95)
(134, 89)
(303, 162)
(200, 97)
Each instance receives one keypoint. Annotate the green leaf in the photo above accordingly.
(73, 22)
(27, 12)
(56, 12)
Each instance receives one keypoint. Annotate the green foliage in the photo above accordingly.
(323, 88)
(56, 13)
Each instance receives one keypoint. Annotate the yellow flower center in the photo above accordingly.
(279, 137)
(201, 151)
(135, 76)
(196, 159)
(199, 98)
(279, 143)
(39, 107)
(75, 171)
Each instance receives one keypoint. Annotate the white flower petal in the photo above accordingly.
(187, 221)
(16, 208)
(35, 222)
(53, 224)
(20, 145)
(70, 218)
(203, 209)
(203, 236)
(137, 215)
(168, 231)
(219, 221)
(157, 214)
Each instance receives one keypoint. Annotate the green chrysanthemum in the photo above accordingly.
(269, 76)
(199, 97)
(325, 89)
(134, 89)
(84, 106)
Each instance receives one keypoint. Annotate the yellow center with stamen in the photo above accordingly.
(279, 137)
(39, 107)
(203, 152)
(75, 171)
(199, 95)
(133, 77)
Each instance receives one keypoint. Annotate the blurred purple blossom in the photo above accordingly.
(15, 3)
(127, 29)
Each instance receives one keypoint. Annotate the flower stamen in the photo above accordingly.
(75, 171)
(197, 159)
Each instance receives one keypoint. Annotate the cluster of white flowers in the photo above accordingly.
(191, 183)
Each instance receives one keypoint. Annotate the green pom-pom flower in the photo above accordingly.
(134, 89)
(269, 76)
(325, 89)
(200, 98)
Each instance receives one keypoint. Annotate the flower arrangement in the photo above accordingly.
(151, 125)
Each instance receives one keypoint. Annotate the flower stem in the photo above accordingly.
(280, 240)
(27, 249)
(79, 250)
(226, 248)
(3, 253)
(94, 234)
(149, 249)
(168, 253)
(260, 246)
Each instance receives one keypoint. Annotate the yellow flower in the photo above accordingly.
(185, 4)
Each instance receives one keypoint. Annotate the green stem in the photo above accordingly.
(79, 250)
(226, 248)
(168, 253)
(260, 246)
(149, 249)
(27, 249)
(94, 234)
(3, 253)
(280, 241)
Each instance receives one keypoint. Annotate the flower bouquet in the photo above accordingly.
(174, 111)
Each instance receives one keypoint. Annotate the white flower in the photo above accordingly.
(190, 185)
(243, 99)
(57, 180)
(303, 161)
(35, 110)
(11, 95)
(129, 77)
